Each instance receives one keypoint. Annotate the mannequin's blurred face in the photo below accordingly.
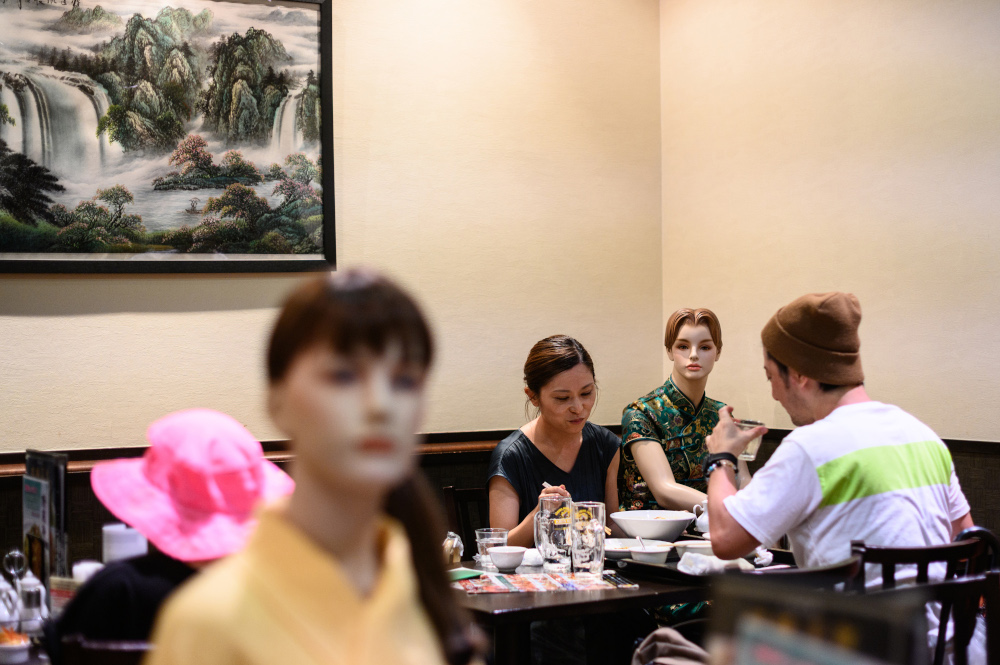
(352, 419)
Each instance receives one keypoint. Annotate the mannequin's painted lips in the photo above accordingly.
(377, 445)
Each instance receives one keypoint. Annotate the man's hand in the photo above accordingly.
(727, 437)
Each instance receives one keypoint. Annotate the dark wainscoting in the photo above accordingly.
(458, 459)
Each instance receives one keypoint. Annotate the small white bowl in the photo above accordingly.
(651, 553)
(699, 546)
(14, 653)
(507, 557)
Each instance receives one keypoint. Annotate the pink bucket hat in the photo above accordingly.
(193, 492)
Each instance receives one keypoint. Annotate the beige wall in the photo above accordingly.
(500, 157)
(840, 144)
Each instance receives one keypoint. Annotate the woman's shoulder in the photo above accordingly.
(601, 434)
(514, 448)
(515, 441)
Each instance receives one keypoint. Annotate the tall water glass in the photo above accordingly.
(588, 537)
(552, 532)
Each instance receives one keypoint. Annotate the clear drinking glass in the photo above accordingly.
(588, 537)
(750, 452)
(552, 532)
(485, 539)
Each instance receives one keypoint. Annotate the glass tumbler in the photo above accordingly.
(485, 539)
(588, 537)
(552, 532)
(750, 452)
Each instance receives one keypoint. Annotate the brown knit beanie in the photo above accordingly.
(817, 336)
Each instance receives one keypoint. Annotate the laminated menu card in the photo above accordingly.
(44, 514)
(529, 582)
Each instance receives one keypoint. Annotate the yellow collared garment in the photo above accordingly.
(285, 600)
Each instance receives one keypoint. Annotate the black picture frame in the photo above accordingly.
(176, 261)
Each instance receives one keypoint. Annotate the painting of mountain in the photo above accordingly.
(164, 135)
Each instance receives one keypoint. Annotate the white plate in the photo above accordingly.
(617, 548)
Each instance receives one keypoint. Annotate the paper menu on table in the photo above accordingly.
(531, 582)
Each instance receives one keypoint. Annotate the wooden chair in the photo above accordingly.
(991, 542)
(467, 509)
(960, 558)
(78, 650)
(962, 599)
(821, 577)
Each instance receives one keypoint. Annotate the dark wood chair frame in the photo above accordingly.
(458, 504)
(959, 594)
(960, 558)
(821, 577)
(963, 599)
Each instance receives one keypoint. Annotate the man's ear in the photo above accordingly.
(532, 397)
(801, 381)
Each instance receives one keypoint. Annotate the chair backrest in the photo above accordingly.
(960, 558)
(467, 509)
(821, 577)
(990, 540)
(78, 650)
(962, 599)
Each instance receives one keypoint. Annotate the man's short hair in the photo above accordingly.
(783, 371)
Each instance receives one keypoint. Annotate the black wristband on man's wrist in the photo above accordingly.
(711, 458)
(715, 460)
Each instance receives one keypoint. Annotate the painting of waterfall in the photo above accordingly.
(165, 136)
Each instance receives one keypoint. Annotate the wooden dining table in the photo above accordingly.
(509, 615)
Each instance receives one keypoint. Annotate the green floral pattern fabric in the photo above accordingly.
(665, 415)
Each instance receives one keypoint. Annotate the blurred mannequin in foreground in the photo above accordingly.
(350, 568)
(192, 496)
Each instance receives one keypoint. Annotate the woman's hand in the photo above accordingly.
(554, 489)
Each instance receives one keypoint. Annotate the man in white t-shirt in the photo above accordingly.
(855, 469)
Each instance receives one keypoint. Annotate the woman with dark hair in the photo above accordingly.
(350, 568)
(559, 447)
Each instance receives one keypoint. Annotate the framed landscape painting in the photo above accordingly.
(166, 136)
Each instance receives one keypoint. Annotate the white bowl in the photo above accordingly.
(14, 653)
(651, 553)
(507, 557)
(618, 548)
(699, 546)
(653, 524)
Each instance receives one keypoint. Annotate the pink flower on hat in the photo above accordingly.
(193, 492)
